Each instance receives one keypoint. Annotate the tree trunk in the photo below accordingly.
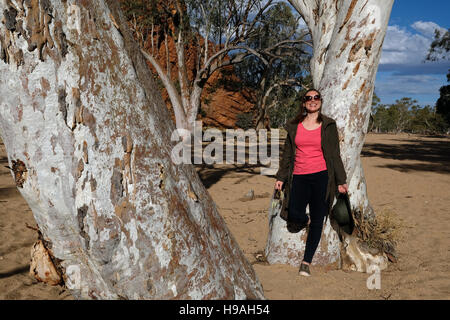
(347, 37)
(177, 105)
(260, 117)
(195, 102)
(88, 139)
(260, 105)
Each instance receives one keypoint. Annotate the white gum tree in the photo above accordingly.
(88, 141)
(347, 38)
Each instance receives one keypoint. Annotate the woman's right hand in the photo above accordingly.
(278, 185)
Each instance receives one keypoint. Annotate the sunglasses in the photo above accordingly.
(315, 98)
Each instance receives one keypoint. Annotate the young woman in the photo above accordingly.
(310, 169)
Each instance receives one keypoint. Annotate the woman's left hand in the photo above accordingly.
(343, 188)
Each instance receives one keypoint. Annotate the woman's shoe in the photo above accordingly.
(304, 270)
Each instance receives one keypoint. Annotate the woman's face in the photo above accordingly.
(312, 101)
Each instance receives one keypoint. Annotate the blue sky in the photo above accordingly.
(402, 72)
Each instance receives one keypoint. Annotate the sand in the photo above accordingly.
(407, 176)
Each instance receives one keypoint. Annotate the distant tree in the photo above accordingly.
(218, 31)
(439, 50)
(244, 120)
(443, 103)
(440, 46)
(288, 103)
(379, 116)
(277, 78)
(426, 121)
(375, 99)
(375, 103)
(406, 116)
(399, 115)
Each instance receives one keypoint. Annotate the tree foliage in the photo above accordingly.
(406, 116)
(244, 120)
(261, 40)
(440, 46)
(443, 103)
(276, 80)
(439, 50)
(288, 105)
(210, 36)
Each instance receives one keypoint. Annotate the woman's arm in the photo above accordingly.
(286, 158)
(339, 170)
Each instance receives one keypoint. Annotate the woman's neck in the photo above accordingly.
(311, 117)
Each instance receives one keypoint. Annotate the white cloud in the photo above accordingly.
(427, 28)
(403, 70)
(403, 47)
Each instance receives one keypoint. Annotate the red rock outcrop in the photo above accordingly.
(221, 103)
(222, 100)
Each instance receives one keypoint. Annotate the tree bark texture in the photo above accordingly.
(347, 39)
(88, 141)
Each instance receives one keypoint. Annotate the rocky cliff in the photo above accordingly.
(223, 98)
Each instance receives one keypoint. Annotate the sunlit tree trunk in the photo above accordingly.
(88, 141)
(347, 38)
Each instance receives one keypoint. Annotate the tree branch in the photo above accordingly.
(225, 50)
(305, 9)
(235, 60)
(286, 82)
(180, 115)
(260, 12)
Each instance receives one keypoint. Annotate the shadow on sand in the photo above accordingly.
(435, 154)
(8, 193)
(211, 174)
(15, 271)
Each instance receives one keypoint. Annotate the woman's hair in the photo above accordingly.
(302, 114)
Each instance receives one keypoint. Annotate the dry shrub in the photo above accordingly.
(382, 233)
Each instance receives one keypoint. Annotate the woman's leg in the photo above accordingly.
(299, 198)
(317, 209)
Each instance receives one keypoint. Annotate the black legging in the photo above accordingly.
(309, 189)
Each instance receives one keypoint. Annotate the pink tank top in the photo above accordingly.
(308, 156)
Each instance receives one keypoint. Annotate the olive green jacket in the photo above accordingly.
(331, 153)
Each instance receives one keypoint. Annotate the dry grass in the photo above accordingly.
(382, 233)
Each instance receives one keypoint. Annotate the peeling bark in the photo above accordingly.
(88, 139)
(42, 267)
(347, 37)
(20, 172)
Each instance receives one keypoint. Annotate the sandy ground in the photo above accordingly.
(407, 175)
